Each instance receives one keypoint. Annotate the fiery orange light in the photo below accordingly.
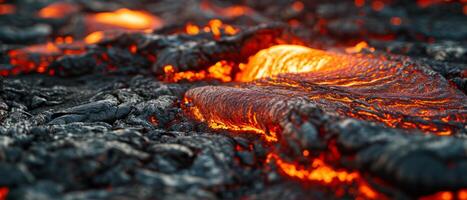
(319, 171)
(192, 29)
(298, 6)
(462, 194)
(396, 21)
(359, 47)
(44, 55)
(215, 26)
(7, 9)
(377, 5)
(324, 174)
(447, 195)
(221, 71)
(58, 10)
(359, 86)
(214, 119)
(128, 19)
(94, 37)
(235, 11)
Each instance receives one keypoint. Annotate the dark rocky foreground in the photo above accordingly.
(124, 137)
(121, 137)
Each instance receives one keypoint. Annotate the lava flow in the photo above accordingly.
(399, 94)
(123, 18)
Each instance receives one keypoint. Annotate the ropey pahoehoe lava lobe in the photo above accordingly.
(400, 94)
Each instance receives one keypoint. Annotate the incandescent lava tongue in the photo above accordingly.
(399, 94)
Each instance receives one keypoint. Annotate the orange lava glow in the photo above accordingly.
(228, 12)
(7, 9)
(3, 193)
(58, 10)
(396, 21)
(447, 195)
(94, 37)
(215, 26)
(395, 95)
(298, 6)
(377, 5)
(213, 121)
(37, 58)
(359, 47)
(128, 19)
(319, 171)
(220, 71)
(359, 3)
(322, 173)
(234, 11)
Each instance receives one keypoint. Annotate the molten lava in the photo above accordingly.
(94, 37)
(215, 26)
(58, 10)
(319, 171)
(123, 19)
(399, 94)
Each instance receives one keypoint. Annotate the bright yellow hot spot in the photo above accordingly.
(130, 19)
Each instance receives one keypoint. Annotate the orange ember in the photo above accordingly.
(447, 195)
(396, 21)
(94, 37)
(220, 71)
(128, 19)
(215, 26)
(377, 5)
(37, 58)
(234, 11)
(58, 10)
(298, 6)
(192, 29)
(7, 9)
(3, 193)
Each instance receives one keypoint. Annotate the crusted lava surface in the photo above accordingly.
(233, 99)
